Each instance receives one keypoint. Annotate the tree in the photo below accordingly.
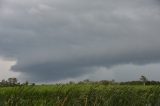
(12, 81)
(86, 81)
(143, 79)
(33, 84)
(3, 82)
(71, 82)
(26, 83)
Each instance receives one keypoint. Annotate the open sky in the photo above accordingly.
(61, 40)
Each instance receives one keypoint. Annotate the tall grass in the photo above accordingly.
(80, 95)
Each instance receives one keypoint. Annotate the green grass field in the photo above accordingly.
(80, 95)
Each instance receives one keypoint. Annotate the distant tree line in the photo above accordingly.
(103, 82)
(142, 81)
(11, 82)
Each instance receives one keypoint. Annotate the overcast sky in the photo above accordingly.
(60, 40)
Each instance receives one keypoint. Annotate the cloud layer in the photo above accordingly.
(58, 39)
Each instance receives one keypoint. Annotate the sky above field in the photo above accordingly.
(61, 40)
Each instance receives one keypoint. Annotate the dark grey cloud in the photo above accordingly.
(58, 39)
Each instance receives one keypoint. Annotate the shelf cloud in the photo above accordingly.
(54, 40)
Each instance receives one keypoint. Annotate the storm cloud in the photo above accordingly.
(57, 39)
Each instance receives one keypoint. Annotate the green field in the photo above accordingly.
(80, 95)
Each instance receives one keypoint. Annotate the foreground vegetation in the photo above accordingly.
(80, 95)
